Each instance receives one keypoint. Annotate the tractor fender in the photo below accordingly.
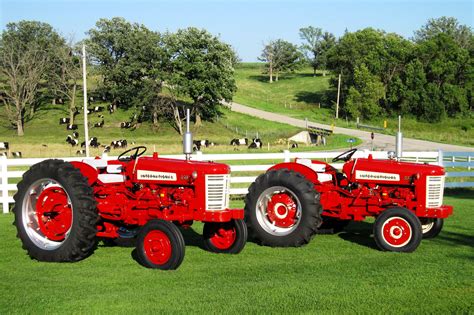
(304, 170)
(88, 171)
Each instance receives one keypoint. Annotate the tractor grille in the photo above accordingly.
(434, 191)
(217, 192)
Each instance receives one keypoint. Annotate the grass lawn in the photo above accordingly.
(300, 95)
(334, 274)
(44, 137)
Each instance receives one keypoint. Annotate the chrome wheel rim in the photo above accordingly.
(263, 216)
(30, 220)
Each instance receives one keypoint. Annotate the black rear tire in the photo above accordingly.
(431, 227)
(160, 245)
(226, 237)
(80, 240)
(397, 230)
(300, 194)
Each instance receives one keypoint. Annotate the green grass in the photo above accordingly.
(334, 274)
(44, 137)
(300, 95)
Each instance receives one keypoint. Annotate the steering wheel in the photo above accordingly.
(345, 156)
(139, 151)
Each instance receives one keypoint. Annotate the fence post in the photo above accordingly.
(4, 183)
(440, 158)
(286, 155)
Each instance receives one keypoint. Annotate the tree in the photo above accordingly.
(200, 68)
(64, 79)
(280, 56)
(316, 45)
(126, 55)
(26, 49)
(462, 34)
(328, 41)
(312, 37)
(364, 96)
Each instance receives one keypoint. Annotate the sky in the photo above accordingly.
(244, 24)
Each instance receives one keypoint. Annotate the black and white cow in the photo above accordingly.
(71, 127)
(99, 124)
(106, 149)
(4, 146)
(294, 145)
(122, 143)
(81, 152)
(97, 109)
(73, 142)
(111, 108)
(125, 124)
(241, 141)
(92, 142)
(64, 120)
(3, 154)
(256, 144)
(75, 134)
(16, 154)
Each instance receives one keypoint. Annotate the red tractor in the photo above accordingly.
(62, 209)
(291, 201)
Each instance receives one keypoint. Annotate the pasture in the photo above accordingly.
(44, 137)
(302, 95)
(342, 273)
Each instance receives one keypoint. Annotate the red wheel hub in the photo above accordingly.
(396, 232)
(157, 247)
(223, 237)
(54, 213)
(281, 210)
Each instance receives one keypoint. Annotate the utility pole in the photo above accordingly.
(338, 93)
(84, 87)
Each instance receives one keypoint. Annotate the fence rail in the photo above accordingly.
(446, 159)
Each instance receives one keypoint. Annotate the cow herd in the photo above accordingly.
(5, 150)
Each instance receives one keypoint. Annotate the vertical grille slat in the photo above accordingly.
(434, 191)
(217, 192)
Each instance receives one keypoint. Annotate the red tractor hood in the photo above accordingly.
(173, 171)
(388, 171)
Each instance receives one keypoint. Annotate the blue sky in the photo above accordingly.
(244, 24)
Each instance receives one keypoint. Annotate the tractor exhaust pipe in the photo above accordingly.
(399, 140)
(188, 138)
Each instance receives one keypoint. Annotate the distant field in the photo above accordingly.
(44, 137)
(334, 274)
(301, 95)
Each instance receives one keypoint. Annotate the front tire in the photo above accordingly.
(55, 212)
(226, 237)
(282, 209)
(431, 227)
(397, 230)
(160, 245)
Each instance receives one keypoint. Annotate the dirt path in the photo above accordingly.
(381, 141)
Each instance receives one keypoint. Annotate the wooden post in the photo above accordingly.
(338, 93)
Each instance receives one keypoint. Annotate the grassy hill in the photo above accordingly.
(44, 137)
(301, 95)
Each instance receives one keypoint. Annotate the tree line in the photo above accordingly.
(138, 68)
(429, 76)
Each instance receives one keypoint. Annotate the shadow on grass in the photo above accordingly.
(359, 233)
(459, 193)
(454, 239)
(265, 78)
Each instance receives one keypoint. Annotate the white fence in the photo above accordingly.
(464, 160)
